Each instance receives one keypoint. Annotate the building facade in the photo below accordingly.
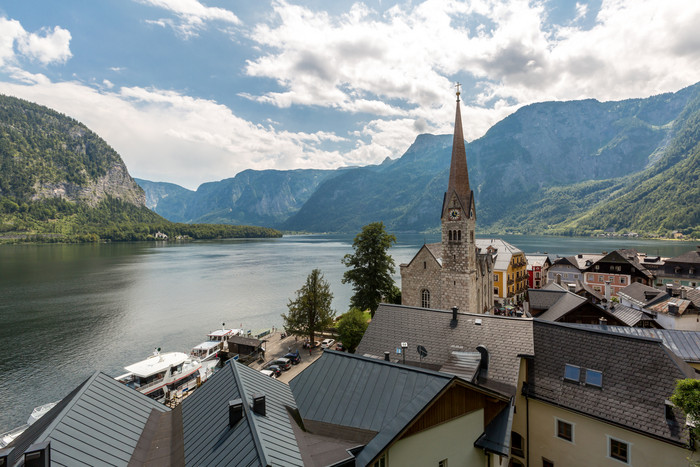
(452, 273)
(537, 268)
(509, 270)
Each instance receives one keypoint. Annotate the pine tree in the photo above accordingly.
(311, 311)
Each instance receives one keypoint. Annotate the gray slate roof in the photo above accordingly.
(628, 315)
(685, 344)
(98, 423)
(255, 440)
(542, 299)
(504, 337)
(566, 303)
(633, 389)
(640, 293)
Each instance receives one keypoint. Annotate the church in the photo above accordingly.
(454, 272)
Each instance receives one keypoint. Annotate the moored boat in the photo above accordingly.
(206, 350)
(161, 373)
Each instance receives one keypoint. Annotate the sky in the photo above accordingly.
(193, 91)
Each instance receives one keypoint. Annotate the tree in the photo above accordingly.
(686, 396)
(372, 267)
(311, 311)
(351, 327)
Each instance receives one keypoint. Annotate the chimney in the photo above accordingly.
(580, 256)
(602, 321)
(386, 356)
(453, 323)
(38, 455)
(669, 289)
(558, 279)
(259, 404)
(235, 412)
(572, 287)
(607, 291)
(683, 293)
(483, 363)
(5, 456)
(672, 308)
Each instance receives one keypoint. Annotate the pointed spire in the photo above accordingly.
(459, 175)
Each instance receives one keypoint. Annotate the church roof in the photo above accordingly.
(459, 175)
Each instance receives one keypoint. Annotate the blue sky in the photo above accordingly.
(190, 91)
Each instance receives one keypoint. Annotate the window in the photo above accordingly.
(459, 235)
(442, 463)
(565, 430)
(495, 290)
(425, 265)
(425, 298)
(596, 267)
(619, 450)
(572, 373)
(449, 235)
(381, 462)
(594, 378)
(517, 445)
(472, 236)
(622, 280)
(547, 463)
(495, 277)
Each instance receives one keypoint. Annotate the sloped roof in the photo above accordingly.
(504, 337)
(255, 440)
(691, 257)
(496, 436)
(628, 315)
(542, 299)
(566, 303)
(504, 251)
(640, 293)
(580, 260)
(100, 422)
(365, 393)
(619, 400)
(685, 344)
(462, 364)
(661, 306)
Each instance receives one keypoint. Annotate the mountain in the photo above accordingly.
(574, 167)
(265, 197)
(59, 181)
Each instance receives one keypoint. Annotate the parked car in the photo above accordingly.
(327, 343)
(294, 357)
(274, 369)
(284, 363)
(339, 346)
(269, 373)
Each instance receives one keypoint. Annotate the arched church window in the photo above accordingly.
(459, 235)
(472, 236)
(425, 298)
(449, 235)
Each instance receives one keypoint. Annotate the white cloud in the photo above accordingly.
(192, 15)
(47, 47)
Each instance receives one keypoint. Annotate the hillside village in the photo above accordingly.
(494, 358)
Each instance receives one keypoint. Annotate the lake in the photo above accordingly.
(69, 310)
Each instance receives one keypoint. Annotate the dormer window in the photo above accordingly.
(572, 373)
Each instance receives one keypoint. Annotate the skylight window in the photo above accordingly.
(572, 373)
(594, 378)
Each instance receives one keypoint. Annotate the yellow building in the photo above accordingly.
(509, 270)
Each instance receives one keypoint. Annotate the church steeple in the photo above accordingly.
(459, 175)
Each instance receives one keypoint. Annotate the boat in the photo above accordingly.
(206, 350)
(38, 412)
(163, 373)
(222, 335)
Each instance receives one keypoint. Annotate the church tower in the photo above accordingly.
(458, 217)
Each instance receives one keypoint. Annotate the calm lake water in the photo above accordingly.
(69, 310)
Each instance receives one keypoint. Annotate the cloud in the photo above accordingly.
(48, 46)
(191, 15)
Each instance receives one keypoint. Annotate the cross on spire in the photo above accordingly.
(458, 86)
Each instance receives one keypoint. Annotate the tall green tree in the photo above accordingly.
(686, 396)
(351, 327)
(311, 311)
(371, 267)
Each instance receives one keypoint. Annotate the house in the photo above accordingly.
(569, 269)
(160, 236)
(586, 398)
(675, 308)
(537, 268)
(554, 303)
(509, 270)
(617, 270)
(101, 422)
(374, 412)
(681, 270)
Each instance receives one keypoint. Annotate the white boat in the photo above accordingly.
(222, 335)
(206, 351)
(38, 412)
(161, 374)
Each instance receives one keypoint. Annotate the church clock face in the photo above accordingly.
(454, 214)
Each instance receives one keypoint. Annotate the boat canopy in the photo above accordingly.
(208, 345)
(156, 364)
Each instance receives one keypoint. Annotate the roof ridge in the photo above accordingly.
(248, 414)
(384, 362)
(460, 313)
(577, 327)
